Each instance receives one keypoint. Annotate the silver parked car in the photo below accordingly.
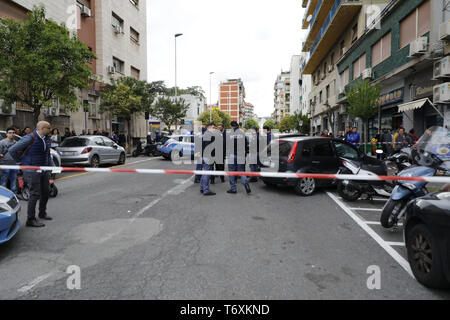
(90, 150)
(55, 154)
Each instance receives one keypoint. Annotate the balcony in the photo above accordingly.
(318, 18)
(335, 24)
(305, 3)
(309, 12)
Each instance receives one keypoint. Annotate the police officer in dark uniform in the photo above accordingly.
(207, 159)
(237, 149)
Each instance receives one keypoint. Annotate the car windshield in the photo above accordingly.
(74, 142)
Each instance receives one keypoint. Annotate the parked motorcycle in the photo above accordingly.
(352, 190)
(399, 161)
(150, 149)
(431, 155)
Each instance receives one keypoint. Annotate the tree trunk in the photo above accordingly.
(36, 113)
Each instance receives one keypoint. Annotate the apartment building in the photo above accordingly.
(282, 92)
(115, 31)
(249, 111)
(407, 55)
(333, 27)
(305, 85)
(231, 98)
(197, 105)
(295, 94)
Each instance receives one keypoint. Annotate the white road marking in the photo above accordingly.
(150, 159)
(394, 254)
(401, 244)
(366, 209)
(374, 199)
(379, 224)
(181, 187)
(36, 281)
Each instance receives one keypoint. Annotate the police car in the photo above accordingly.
(178, 146)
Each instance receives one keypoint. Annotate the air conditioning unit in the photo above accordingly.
(441, 93)
(418, 47)
(52, 112)
(442, 68)
(444, 31)
(85, 12)
(118, 29)
(111, 69)
(7, 109)
(367, 73)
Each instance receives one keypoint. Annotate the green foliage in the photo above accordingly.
(285, 124)
(121, 100)
(363, 99)
(270, 124)
(217, 117)
(251, 123)
(40, 62)
(295, 120)
(194, 90)
(170, 111)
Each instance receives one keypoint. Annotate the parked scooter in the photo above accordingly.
(352, 190)
(23, 189)
(399, 161)
(431, 155)
(150, 149)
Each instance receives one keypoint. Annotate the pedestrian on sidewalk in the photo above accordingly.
(220, 166)
(67, 134)
(207, 159)
(237, 149)
(199, 166)
(34, 150)
(55, 138)
(353, 137)
(254, 152)
(9, 175)
(122, 140)
(26, 131)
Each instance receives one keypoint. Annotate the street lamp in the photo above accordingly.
(210, 98)
(176, 36)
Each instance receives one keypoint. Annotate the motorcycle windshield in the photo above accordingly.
(436, 140)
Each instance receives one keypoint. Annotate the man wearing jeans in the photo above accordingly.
(237, 148)
(207, 160)
(34, 150)
(9, 174)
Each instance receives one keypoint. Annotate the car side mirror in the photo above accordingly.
(115, 146)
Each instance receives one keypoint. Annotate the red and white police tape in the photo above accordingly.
(286, 175)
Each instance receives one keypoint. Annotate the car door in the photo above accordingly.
(112, 153)
(99, 146)
(323, 158)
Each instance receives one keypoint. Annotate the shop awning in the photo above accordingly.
(413, 105)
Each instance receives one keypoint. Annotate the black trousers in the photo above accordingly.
(39, 187)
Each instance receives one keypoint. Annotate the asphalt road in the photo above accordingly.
(156, 237)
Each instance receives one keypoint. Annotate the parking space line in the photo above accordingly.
(391, 251)
(401, 244)
(374, 199)
(366, 209)
(379, 224)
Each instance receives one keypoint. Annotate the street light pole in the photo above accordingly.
(176, 36)
(210, 97)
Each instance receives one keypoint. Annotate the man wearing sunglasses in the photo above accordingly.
(8, 175)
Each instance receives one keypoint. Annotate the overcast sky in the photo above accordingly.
(248, 39)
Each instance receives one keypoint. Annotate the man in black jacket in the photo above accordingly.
(237, 149)
(207, 159)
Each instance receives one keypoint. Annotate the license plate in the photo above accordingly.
(67, 153)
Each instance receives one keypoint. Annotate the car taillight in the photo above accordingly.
(86, 150)
(291, 155)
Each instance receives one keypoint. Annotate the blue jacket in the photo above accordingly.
(36, 154)
(353, 138)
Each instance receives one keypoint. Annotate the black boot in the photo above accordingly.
(34, 223)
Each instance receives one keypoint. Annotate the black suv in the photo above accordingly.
(314, 155)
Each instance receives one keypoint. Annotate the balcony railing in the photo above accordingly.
(314, 16)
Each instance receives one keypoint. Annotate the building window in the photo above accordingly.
(320, 97)
(382, 49)
(325, 68)
(116, 22)
(416, 24)
(118, 65)
(134, 35)
(135, 73)
(342, 47)
(358, 66)
(327, 92)
(355, 33)
(332, 59)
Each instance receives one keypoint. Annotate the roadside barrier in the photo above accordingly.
(284, 175)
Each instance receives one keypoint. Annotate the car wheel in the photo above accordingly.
(95, 161)
(176, 155)
(26, 193)
(390, 211)
(305, 187)
(347, 192)
(121, 158)
(425, 258)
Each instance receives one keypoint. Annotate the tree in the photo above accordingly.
(215, 117)
(226, 119)
(251, 123)
(270, 124)
(41, 63)
(194, 90)
(284, 124)
(363, 100)
(170, 111)
(120, 100)
(295, 123)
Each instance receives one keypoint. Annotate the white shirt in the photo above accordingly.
(43, 140)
